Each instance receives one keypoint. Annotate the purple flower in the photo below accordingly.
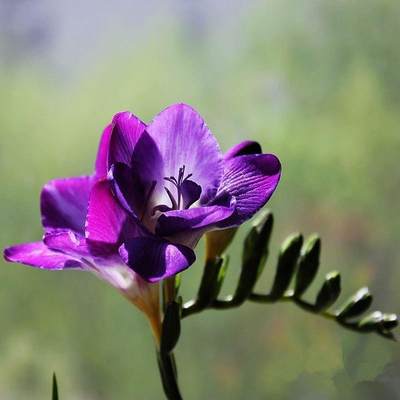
(155, 191)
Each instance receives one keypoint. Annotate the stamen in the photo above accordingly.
(171, 197)
(172, 180)
(176, 202)
(181, 174)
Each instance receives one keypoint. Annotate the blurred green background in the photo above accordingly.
(316, 82)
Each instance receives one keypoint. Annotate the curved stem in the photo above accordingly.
(229, 302)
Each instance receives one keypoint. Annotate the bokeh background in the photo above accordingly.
(316, 82)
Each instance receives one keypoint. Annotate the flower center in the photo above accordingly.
(183, 193)
(176, 202)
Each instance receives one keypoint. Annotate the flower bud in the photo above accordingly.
(218, 241)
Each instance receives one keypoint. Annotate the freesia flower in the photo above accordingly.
(173, 181)
(155, 191)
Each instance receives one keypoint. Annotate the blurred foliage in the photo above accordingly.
(317, 83)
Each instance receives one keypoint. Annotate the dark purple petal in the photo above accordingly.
(147, 172)
(37, 254)
(127, 130)
(179, 221)
(251, 180)
(183, 139)
(243, 148)
(64, 203)
(107, 222)
(154, 259)
(128, 189)
(117, 142)
(101, 165)
(191, 192)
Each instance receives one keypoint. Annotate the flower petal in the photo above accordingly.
(66, 242)
(191, 192)
(117, 142)
(251, 180)
(101, 164)
(183, 139)
(243, 148)
(178, 221)
(64, 203)
(154, 259)
(126, 132)
(37, 254)
(107, 222)
(95, 257)
(127, 188)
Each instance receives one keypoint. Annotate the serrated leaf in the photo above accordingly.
(329, 292)
(287, 261)
(308, 265)
(255, 252)
(371, 322)
(356, 305)
(55, 388)
(171, 327)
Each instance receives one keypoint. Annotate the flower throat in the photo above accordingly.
(177, 202)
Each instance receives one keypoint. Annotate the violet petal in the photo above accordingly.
(64, 203)
(178, 221)
(147, 167)
(154, 259)
(191, 192)
(126, 132)
(37, 254)
(66, 242)
(251, 180)
(107, 222)
(243, 148)
(101, 164)
(183, 139)
(129, 191)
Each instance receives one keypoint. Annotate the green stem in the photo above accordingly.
(166, 362)
(167, 368)
(228, 303)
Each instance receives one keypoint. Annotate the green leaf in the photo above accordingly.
(329, 292)
(55, 388)
(308, 265)
(356, 305)
(255, 252)
(287, 261)
(171, 327)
